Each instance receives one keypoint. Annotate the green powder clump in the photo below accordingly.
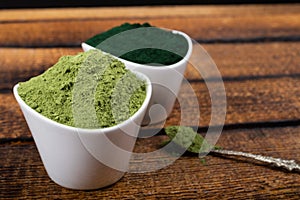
(150, 45)
(187, 138)
(88, 90)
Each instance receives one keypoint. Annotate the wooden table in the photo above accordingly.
(257, 50)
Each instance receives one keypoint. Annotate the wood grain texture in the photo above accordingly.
(257, 50)
(115, 3)
(20, 64)
(21, 15)
(23, 175)
(259, 60)
(216, 23)
(13, 124)
(234, 61)
(247, 101)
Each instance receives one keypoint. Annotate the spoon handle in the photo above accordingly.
(289, 165)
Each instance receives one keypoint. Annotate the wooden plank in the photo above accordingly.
(242, 61)
(234, 61)
(13, 124)
(206, 27)
(23, 175)
(22, 15)
(247, 102)
(119, 3)
(20, 64)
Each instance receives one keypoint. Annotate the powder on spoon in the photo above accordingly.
(150, 45)
(76, 82)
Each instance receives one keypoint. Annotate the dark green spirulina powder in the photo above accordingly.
(150, 45)
(66, 91)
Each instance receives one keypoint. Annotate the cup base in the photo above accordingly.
(89, 187)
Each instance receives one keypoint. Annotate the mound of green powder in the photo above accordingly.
(150, 45)
(88, 90)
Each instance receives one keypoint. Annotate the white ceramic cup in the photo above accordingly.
(166, 81)
(84, 158)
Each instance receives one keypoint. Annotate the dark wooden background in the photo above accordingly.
(94, 3)
(257, 50)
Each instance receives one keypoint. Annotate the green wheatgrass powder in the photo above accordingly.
(187, 138)
(152, 45)
(79, 87)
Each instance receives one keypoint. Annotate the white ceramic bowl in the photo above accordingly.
(166, 80)
(84, 158)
